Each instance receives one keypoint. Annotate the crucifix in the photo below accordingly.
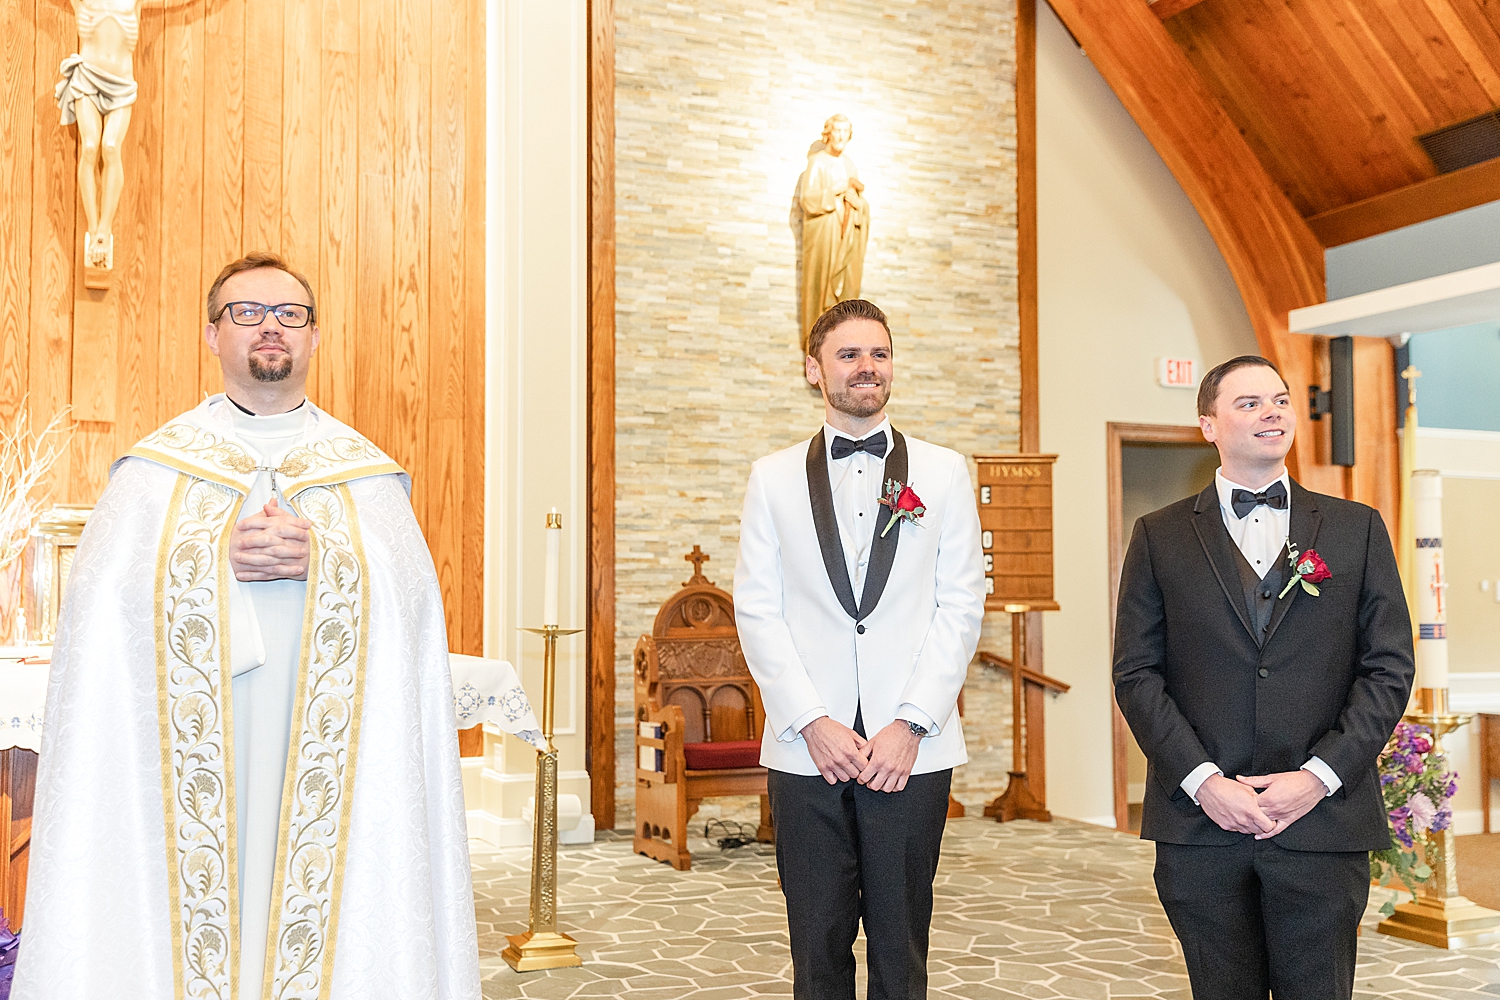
(697, 557)
(1411, 374)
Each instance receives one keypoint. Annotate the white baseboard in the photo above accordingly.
(497, 831)
(1467, 821)
(1107, 821)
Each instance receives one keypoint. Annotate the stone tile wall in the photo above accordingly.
(716, 106)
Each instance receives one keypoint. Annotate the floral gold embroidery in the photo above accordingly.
(197, 774)
(320, 779)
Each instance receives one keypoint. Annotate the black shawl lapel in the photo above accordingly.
(821, 495)
(883, 548)
(1306, 520)
(1208, 522)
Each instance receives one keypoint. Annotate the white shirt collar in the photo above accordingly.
(830, 431)
(1227, 487)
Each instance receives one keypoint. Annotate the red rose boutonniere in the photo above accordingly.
(1308, 569)
(904, 503)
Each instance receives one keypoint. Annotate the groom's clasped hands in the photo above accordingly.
(1262, 805)
(881, 764)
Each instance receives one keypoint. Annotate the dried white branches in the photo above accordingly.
(25, 459)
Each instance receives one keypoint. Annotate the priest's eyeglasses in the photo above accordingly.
(291, 315)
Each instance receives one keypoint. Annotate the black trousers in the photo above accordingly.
(847, 853)
(1255, 918)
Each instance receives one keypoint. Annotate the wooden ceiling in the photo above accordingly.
(1330, 95)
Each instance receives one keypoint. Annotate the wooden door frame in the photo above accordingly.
(1118, 435)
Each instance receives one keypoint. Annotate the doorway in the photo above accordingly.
(1150, 466)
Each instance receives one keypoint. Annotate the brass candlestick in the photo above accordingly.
(1441, 917)
(543, 946)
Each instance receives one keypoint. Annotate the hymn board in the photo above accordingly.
(1015, 521)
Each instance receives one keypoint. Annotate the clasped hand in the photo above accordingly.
(271, 545)
(1282, 799)
(882, 764)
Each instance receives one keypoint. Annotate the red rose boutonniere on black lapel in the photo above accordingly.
(1308, 569)
(904, 503)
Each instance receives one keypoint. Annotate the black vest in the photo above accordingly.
(1261, 592)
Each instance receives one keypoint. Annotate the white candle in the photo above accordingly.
(549, 585)
(1430, 579)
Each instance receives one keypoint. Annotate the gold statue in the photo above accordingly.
(835, 224)
(96, 91)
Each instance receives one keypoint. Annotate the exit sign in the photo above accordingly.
(1177, 373)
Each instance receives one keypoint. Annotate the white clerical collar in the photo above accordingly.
(1227, 487)
(830, 432)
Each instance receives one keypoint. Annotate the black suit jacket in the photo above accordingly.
(1331, 680)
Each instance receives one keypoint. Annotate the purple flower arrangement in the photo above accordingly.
(1418, 789)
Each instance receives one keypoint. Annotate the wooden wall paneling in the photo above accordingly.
(301, 138)
(473, 343)
(223, 166)
(1026, 266)
(254, 121)
(1377, 473)
(53, 192)
(601, 427)
(17, 89)
(136, 298)
(1026, 251)
(1171, 8)
(445, 309)
(376, 355)
(265, 38)
(410, 258)
(181, 102)
(332, 380)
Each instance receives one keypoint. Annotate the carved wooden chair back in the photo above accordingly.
(693, 660)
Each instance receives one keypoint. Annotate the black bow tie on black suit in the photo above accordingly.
(875, 444)
(1273, 496)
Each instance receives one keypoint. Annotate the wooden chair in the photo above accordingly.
(698, 718)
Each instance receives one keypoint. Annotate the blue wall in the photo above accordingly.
(1453, 242)
(1460, 383)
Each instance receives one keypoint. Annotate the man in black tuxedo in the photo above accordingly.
(1262, 701)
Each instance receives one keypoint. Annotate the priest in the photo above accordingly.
(249, 783)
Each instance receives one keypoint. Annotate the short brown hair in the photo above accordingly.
(255, 260)
(1208, 389)
(840, 313)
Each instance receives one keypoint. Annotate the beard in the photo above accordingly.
(861, 405)
(274, 370)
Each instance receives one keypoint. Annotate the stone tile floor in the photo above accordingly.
(1065, 910)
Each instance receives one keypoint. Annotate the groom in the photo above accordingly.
(1263, 656)
(859, 606)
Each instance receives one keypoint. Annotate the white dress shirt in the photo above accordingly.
(857, 481)
(1260, 536)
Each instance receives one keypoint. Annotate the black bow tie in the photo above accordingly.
(1273, 496)
(874, 445)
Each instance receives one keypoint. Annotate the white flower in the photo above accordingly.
(1422, 812)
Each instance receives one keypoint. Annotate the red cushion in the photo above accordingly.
(717, 756)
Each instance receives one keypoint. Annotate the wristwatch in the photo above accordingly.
(916, 730)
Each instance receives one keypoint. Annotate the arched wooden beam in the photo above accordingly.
(1272, 253)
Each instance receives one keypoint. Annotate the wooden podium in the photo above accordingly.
(1015, 522)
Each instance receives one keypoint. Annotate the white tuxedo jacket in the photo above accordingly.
(907, 639)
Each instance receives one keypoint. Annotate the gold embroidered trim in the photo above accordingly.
(206, 455)
(193, 678)
(313, 843)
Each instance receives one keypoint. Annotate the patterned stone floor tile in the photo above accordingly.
(1070, 915)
